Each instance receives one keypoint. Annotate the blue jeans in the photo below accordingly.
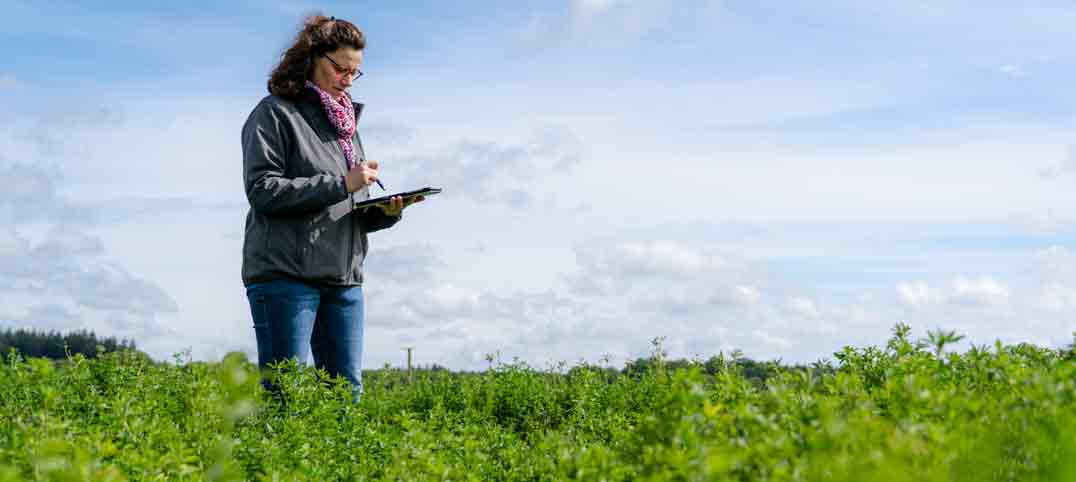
(292, 318)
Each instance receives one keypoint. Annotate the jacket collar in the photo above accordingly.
(309, 96)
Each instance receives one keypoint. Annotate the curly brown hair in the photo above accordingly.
(320, 35)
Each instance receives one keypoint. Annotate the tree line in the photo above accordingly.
(56, 345)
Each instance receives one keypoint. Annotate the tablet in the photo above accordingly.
(426, 191)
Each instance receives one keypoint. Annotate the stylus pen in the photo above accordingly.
(378, 181)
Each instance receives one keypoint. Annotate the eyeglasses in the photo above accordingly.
(340, 70)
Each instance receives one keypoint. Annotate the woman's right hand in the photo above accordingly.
(361, 175)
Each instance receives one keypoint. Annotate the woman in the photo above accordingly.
(303, 169)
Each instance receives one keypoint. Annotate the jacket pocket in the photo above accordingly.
(325, 248)
(282, 246)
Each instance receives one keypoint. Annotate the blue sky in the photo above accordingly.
(783, 179)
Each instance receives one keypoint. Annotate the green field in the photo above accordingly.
(903, 411)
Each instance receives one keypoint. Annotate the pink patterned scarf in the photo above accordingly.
(341, 114)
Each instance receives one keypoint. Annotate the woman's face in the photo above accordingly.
(335, 79)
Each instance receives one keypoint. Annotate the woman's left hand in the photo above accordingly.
(396, 204)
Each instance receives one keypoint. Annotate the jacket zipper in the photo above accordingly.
(360, 157)
(351, 240)
(351, 201)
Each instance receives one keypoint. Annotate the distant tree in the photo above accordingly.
(434, 368)
(56, 345)
(758, 372)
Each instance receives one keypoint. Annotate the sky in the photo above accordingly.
(779, 178)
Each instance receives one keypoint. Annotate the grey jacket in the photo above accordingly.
(301, 224)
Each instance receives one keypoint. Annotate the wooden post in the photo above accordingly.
(409, 363)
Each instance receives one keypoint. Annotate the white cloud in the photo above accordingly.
(615, 23)
(981, 291)
(803, 307)
(1033, 307)
(660, 258)
(1055, 275)
(770, 340)
(1057, 298)
(445, 299)
(591, 7)
(665, 256)
(961, 291)
(1055, 264)
(488, 171)
(412, 262)
(58, 269)
(662, 266)
(747, 295)
(1060, 168)
(69, 282)
(1046, 221)
(915, 293)
(1014, 71)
